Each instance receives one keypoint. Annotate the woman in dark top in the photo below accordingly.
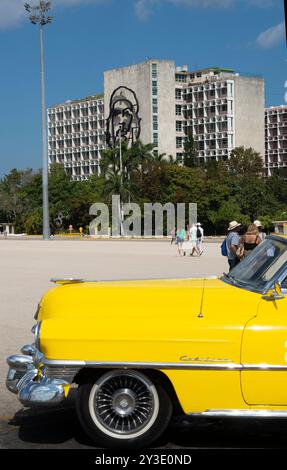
(249, 240)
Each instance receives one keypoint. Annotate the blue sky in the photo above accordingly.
(88, 37)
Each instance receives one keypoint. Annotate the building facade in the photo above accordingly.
(76, 136)
(275, 138)
(221, 109)
(159, 103)
(152, 82)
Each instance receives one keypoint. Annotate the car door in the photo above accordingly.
(264, 353)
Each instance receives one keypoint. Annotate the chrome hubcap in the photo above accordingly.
(124, 403)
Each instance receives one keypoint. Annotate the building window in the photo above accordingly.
(77, 128)
(179, 142)
(180, 78)
(178, 110)
(85, 140)
(154, 70)
(178, 126)
(178, 94)
(155, 139)
(155, 123)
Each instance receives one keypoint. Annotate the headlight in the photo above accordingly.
(36, 331)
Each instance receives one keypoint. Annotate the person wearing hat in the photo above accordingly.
(232, 242)
(262, 235)
(199, 236)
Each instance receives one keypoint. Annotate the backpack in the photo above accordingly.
(198, 233)
(223, 248)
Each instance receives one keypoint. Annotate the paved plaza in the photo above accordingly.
(28, 265)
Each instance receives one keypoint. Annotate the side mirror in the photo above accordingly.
(274, 294)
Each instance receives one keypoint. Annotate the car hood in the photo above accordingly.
(147, 298)
(142, 318)
(131, 297)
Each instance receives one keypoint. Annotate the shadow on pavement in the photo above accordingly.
(60, 428)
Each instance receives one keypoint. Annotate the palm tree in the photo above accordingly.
(162, 158)
(116, 184)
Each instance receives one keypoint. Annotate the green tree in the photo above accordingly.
(190, 154)
(245, 162)
(13, 200)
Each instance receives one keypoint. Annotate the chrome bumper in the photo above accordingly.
(26, 379)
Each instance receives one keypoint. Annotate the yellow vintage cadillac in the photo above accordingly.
(138, 352)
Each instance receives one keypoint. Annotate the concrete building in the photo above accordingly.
(7, 228)
(153, 85)
(159, 103)
(275, 138)
(221, 109)
(76, 136)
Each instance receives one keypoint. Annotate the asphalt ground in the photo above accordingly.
(26, 268)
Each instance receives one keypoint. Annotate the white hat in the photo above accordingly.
(258, 223)
(233, 225)
(198, 223)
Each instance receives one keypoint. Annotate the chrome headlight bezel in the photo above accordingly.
(36, 332)
(37, 312)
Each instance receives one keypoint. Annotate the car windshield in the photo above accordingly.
(261, 265)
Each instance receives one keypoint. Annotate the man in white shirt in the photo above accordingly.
(193, 239)
(199, 236)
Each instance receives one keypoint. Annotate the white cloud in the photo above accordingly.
(271, 37)
(12, 12)
(143, 8)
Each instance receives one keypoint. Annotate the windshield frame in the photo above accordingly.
(279, 276)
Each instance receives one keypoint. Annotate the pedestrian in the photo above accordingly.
(248, 241)
(232, 242)
(193, 239)
(262, 234)
(173, 235)
(180, 240)
(199, 236)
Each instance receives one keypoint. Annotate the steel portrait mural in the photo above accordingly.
(123, 122)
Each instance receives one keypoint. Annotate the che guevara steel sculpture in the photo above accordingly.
(123, 122)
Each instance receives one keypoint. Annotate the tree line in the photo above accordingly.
(235, 189)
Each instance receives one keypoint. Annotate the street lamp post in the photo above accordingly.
(38, 15)
(121, 176)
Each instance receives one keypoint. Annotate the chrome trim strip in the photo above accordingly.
(165, 365)
(64, 281)
(143, 365)
(264, 367)
(242, 413)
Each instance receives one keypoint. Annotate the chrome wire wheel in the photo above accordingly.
(124, 404)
